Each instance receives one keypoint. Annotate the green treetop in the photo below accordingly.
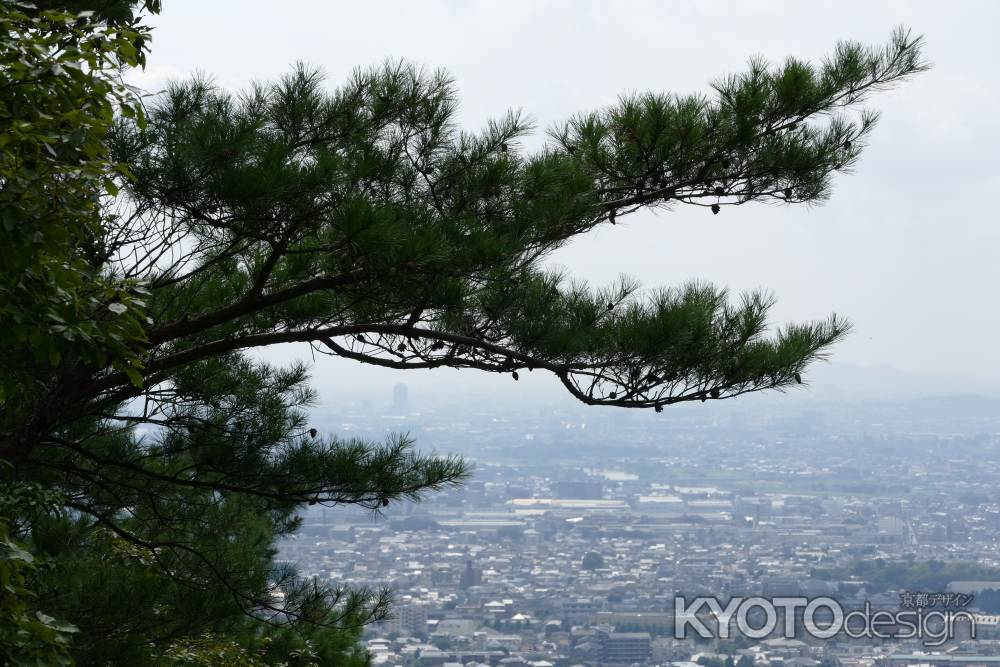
(592, 561)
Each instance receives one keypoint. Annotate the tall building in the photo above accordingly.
(471, 576)
(400, 399)
(410, 617)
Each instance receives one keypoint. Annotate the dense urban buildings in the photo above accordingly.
(581, 527)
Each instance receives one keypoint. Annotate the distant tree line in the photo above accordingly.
(881, 575)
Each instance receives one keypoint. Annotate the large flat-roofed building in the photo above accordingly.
(575, 504)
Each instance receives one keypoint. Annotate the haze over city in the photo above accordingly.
(288, 378)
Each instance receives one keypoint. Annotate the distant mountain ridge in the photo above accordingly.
(846, 381)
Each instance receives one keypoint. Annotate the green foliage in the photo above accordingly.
(988, 601)
(58, 99)
(209, 651)
(707, 661)
(29, 636)
(173, 535)
(592, 561)
(286, 650)
(930, 576)
(161, 248)
(364, 222)
(755, 140)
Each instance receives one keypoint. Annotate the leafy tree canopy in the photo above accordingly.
(59, 94)
(363, 222)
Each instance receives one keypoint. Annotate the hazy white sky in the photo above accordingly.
(907, 247)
